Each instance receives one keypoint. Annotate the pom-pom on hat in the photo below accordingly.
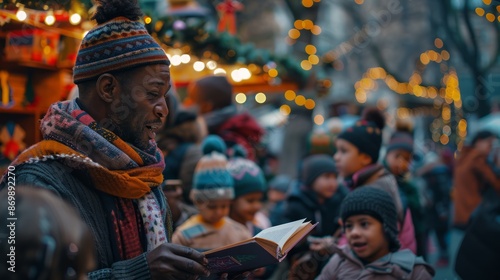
(118, 42)
(248, 177)
(376, 203)
(366, 134)
(212, 179)
(314, 166)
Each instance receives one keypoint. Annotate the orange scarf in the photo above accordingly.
(133, 183)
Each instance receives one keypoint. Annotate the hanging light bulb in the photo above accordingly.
(75, 18)
(50, 19)
(21, 14)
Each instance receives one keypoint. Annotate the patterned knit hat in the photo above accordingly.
(315, 166)
(212, 179)
(376, 203)
(248, 177)
(366, 134)
(118, 42)
(400, 141)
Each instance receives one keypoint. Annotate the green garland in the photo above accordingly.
(227, 47)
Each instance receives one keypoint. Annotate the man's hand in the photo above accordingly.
(172, 261)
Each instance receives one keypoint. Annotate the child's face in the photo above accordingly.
(366, 237)
(325, 185)
(398, 161)
(348, 159)
(213, 211)
(246, 206)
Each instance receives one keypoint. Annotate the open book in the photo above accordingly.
(267, 247)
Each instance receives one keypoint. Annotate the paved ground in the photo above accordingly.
(447, 273)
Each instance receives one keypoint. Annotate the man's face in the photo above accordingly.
(142, 109)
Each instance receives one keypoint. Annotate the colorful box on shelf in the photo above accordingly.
(32, 45)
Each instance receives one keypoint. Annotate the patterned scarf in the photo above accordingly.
(114, 166)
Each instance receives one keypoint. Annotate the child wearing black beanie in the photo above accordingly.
(369, 220)
(358, 149)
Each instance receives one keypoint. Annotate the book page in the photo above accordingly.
(280, 234)
(297, 236)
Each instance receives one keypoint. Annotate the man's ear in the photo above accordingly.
(107, 87)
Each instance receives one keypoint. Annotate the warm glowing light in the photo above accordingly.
(438, 43)
(444, 139)
(316, 30)
(300, 100)
(480, 12)
(290, 95)
(306, 65)
(307, 3)
(310, 49)
(147, 20)
(359, 2)
(298, 24)
(198, 66)
(310, 104)
(273, 73)
(176, 60)
(211, 65)
(308, 24)
(487, 2)
(313, 59)
(50, 19)
(285, 109)
(219, 71)
(236, 75)
(185, 58)
(424, 58)
(260, 97)
(75, 19)
(21, 15)
(490, 17)
(294, 33)
(240, 98)
(445, 54)
(319, 119)
(245, 73)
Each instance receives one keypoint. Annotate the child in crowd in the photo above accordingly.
(317, 198)
(180, 210)
(358, 149)
(249, 189)
(276, 198)
(399, 153)
(212, 194)
(51, 241)
(369, 221)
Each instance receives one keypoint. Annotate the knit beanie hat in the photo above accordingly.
(401, 141)
(280, 183)
(212, 180)
(118, 42)
(376, 203)
(366, 134)
(314, 166)
(248, 177)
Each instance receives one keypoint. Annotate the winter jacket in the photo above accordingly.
(471, 176)
(377, 176)
(80, 192)
(303, 203)
(398, 265)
